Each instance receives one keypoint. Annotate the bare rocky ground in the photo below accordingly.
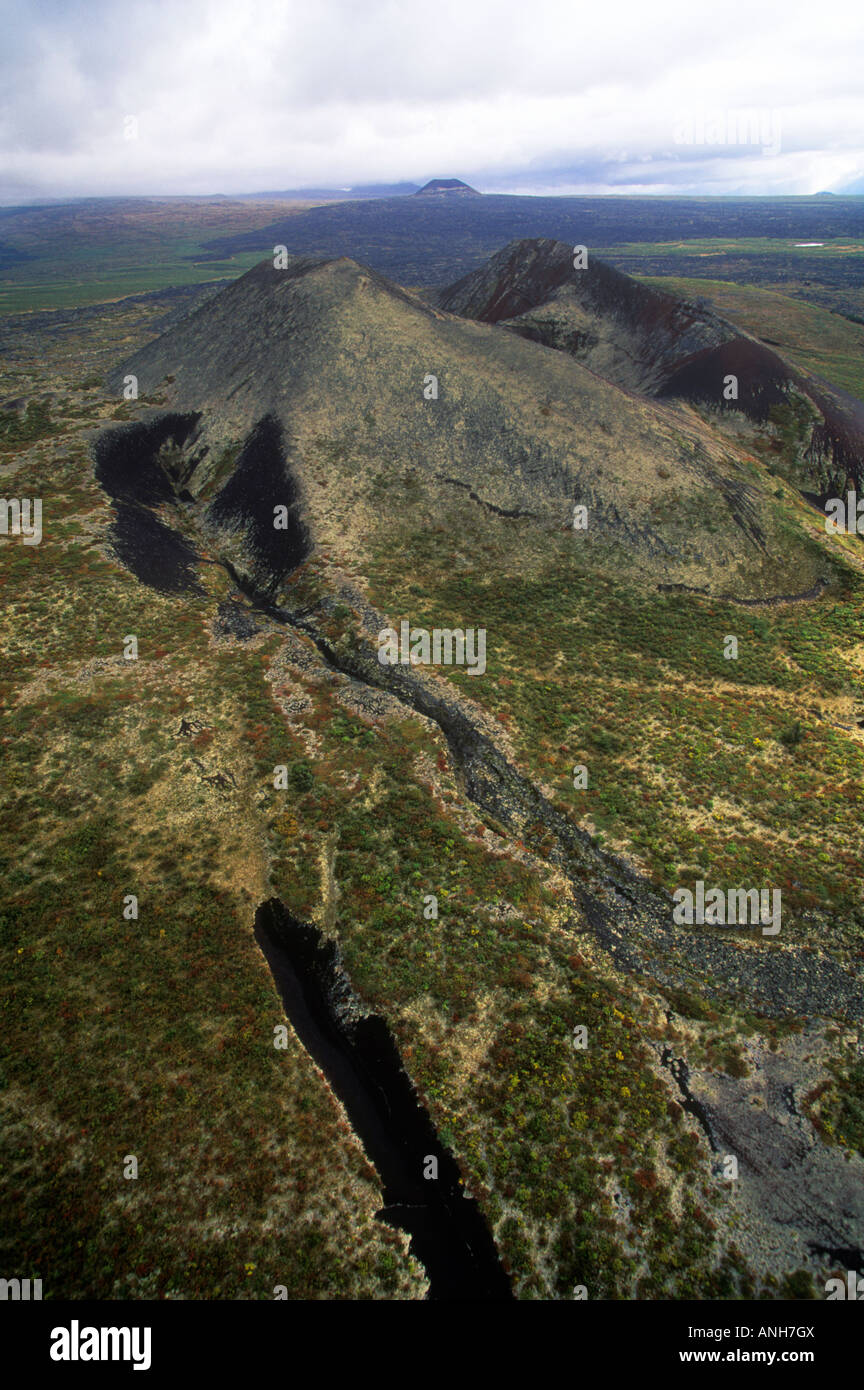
(793, 1198)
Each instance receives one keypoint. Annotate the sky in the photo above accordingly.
(113, 97)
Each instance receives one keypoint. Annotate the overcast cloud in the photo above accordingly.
(551, 95)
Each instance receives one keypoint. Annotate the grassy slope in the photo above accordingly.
(151, 1037)
(688, 771)
(155, 1036)
(123, 1040)
(826, 276)
(826, 344)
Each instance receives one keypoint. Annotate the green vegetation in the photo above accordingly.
(699, 766)
(239, 1146)
(750, 245)
(117, 247)
(117, 800)
(17, 429)
(837, 1105)
(153, 1035)
(811, 337)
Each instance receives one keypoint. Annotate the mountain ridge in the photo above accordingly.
(343, 361)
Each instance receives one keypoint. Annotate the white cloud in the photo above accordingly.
(233, 98)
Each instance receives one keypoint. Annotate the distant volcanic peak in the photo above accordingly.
(446, 188)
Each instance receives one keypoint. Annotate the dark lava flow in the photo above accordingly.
(127, 468)
(681, 1073)
(138, 476)
(629, 917)
(360, 1059)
